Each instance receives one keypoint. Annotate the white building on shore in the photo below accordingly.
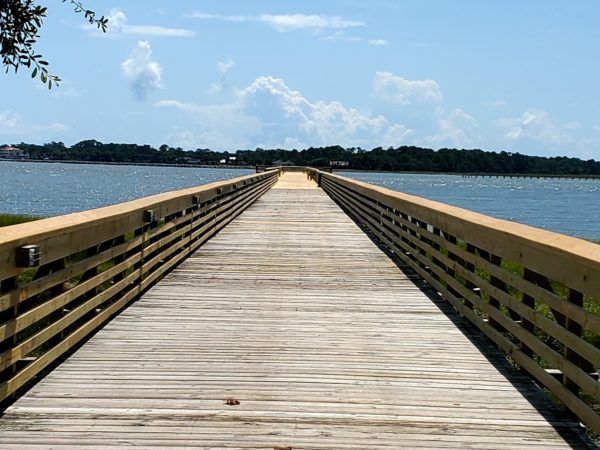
(13, 153)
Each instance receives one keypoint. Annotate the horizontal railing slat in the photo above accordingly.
(95, 262)
(64, 235)
(27, 346)
(534, 293)
(543, 250)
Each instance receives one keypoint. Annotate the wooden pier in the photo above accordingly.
(289, 329)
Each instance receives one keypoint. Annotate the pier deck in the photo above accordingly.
(289, 329)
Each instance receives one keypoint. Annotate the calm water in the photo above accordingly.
(563, 205)
(49, 189)
(567, 206)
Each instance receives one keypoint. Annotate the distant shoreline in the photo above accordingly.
(133, 163)
(247, 167)
(475, 174)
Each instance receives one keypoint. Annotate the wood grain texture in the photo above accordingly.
(289, 329)
(46, 313)
(571, 261)
(465, 259)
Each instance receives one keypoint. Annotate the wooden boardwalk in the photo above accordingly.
(289, 329)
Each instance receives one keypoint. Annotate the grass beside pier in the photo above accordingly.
(13, 219)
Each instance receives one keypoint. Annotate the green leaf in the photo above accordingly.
(43, 77)
(34, 73)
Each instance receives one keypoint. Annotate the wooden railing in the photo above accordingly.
(62, 278)
(535, 293)
(262, 168)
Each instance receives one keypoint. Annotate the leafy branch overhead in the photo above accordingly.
(20, 23)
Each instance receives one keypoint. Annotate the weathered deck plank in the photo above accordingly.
(294, 313)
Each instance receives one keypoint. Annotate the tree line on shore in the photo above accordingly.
(404, 158)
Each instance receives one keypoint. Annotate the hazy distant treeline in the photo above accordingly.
(405, 158)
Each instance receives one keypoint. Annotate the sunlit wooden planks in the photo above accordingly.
(292, 312)
(95, 262)
(531, 291)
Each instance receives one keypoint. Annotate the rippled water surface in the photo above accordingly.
(47, 189)
(50, 189)
(569, 206)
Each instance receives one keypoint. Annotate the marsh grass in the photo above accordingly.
(14, 219)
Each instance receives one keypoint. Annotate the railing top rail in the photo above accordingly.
(494, 233)
(62, 235)
(63, 277)
(534, 293)
(10, 235)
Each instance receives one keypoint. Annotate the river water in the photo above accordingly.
(569, 206)
(51, 189)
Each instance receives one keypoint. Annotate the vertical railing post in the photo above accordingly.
(453, 257)
(530, 302)
(571, 355)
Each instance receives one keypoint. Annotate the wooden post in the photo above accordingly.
(574, 327)
(528, 300)
(454, 257)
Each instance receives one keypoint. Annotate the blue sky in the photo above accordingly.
(513, 75)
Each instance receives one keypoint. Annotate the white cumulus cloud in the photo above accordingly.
(271, 114)
(378, 42)
(144, 74)
(322, 123)
(536, 125)
(458, 129)
(398, 90)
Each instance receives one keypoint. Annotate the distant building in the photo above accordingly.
(280, 162)
(339, 163)
(13, 153)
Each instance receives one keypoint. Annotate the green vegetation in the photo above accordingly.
(20, 23)
(406, 158)
(13, 219)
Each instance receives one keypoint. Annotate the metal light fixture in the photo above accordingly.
(150, 215)
(28, 256)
